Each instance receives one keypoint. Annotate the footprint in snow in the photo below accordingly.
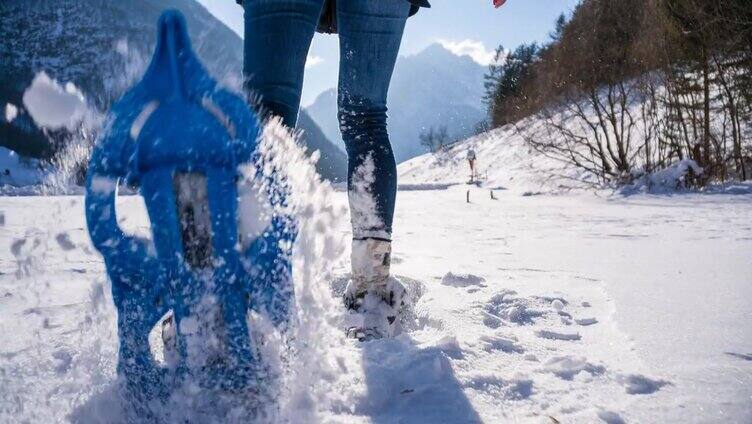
(462, 280)
(63, 361)
(555, 335)
(746, 357)
(636, 384)
(586, 321)
(567, 367)
(507, 307)
(503, 343)
(610, 417)
(63, 239)
(559, 304)
(516, 389)
(556, 302)
(450, 347)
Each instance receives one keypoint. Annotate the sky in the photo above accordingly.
(470, 27)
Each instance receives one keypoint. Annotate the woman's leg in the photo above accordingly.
(370, 33)
(278, 35)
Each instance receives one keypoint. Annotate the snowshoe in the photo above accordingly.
(188, 145)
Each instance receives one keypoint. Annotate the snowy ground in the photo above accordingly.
(535, 308)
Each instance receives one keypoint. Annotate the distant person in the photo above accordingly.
(278, 36)
(471, 161)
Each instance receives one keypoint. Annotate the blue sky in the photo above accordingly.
(465, 26)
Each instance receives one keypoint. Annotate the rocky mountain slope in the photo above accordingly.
(432, 89)
(101, 47)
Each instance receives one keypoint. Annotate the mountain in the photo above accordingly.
(324, 112)
(431, 89)
(332, 164)
(101, 47)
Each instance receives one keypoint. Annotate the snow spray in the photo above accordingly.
(191, 149)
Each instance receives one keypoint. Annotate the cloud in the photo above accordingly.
(312, 61)
(475, 49)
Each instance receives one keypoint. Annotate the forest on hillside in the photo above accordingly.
(626, 88)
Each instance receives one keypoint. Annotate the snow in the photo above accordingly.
(532, 299)
(17, 172)
(656, 288)
(610, 417)
(103, 185)
(641, 385)
(461, 280)
(121, 46)
(53, 106)
(255, 212)
(557, 304)
(363, 202)
(666, 180)
(504, 161)
(553, 335)
(567, 367)
(11, 112)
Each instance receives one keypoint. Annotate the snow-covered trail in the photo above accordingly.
(667, 279)
(574, 307)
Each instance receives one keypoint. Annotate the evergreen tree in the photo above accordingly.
(504, 82)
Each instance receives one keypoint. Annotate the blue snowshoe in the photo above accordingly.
(187, 144)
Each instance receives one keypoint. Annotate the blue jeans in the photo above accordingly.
(278, 35)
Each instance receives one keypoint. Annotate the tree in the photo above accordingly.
(434, 140)
(558, 32)
(626, 87)
(494, 75)
(505, 83)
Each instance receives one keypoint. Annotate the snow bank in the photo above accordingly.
(675, 177)
(53, 106)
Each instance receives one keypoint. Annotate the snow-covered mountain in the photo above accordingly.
(101, 47)
(431, 89)
(332, 164)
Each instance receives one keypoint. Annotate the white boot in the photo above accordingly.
(372, 297)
